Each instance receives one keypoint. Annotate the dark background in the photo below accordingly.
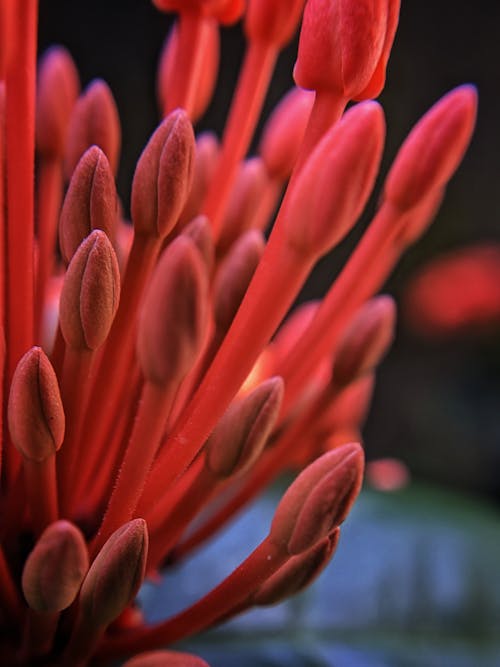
(437, 403)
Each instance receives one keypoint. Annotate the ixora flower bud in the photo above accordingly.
(58, 88)
(163, 177)
(343, 44)
(284, 131)
(366, 340)
(225, 11)
(54, 570)
(174, 314)
(90, 293)
(272, 21)
(90, 202)
(334, 184)
(318, 500)
(241, 434)
(433, 149)
(35, 411)
(94, 120)
(115, 575)
(165, 659)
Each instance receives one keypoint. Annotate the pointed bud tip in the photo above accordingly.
(319, 499)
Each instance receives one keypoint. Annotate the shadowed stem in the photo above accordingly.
(245, 110)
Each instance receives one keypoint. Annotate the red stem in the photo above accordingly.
(354, 284)
(74, 392)
(148, 430)
(41, 489)
(20, 129)
(245, 110)
(49, 191)
(258, 567)
(188, 62)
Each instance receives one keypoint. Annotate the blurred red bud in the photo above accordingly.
(54, 570)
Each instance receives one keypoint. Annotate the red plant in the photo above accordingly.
(147, 373)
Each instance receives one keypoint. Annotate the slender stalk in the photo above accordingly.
(41, 490)
(20, 130)
(261, 563)
(243, 116)
(188, 61)
(49, 192)
(9, 597)
(154, 408)
(74, 391)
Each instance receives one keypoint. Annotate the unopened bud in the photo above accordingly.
(284, 131)
(57, 90)
(234, 276)
(35, 410)
(272, 21)
(90, 293)
(94, 120)
(245, 197)
(224, 11)
(206, 76)
(115, 575)
(433, 149)
(241, 434)
(165, 659)
(55, 569)
(365, 341)
(199, 230)
(163, 177)
(205, 159)
(174, 314)
(335, 182)
(318, 500)
(90, 202)
(341, 45)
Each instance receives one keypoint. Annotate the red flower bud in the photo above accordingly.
(90, 202)
(174, 314)
(163, 177)
(244, 199)
(206, 79)
(433, 149)
(272, 21)
(241, 434)
(225, 11)
(199, 231)
(335, 182)
(35, 410)
(57, 90)
(165, 659)
(365, 341)
(115, 575)
(318, 500)
(205, 159)
(284, 131)
(94, 120)
(55, 569)
(341, 45)
(90, 293)
(234, 276)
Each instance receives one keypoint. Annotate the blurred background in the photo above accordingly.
(436, 405)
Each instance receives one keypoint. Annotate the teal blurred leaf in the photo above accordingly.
(415, 582)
